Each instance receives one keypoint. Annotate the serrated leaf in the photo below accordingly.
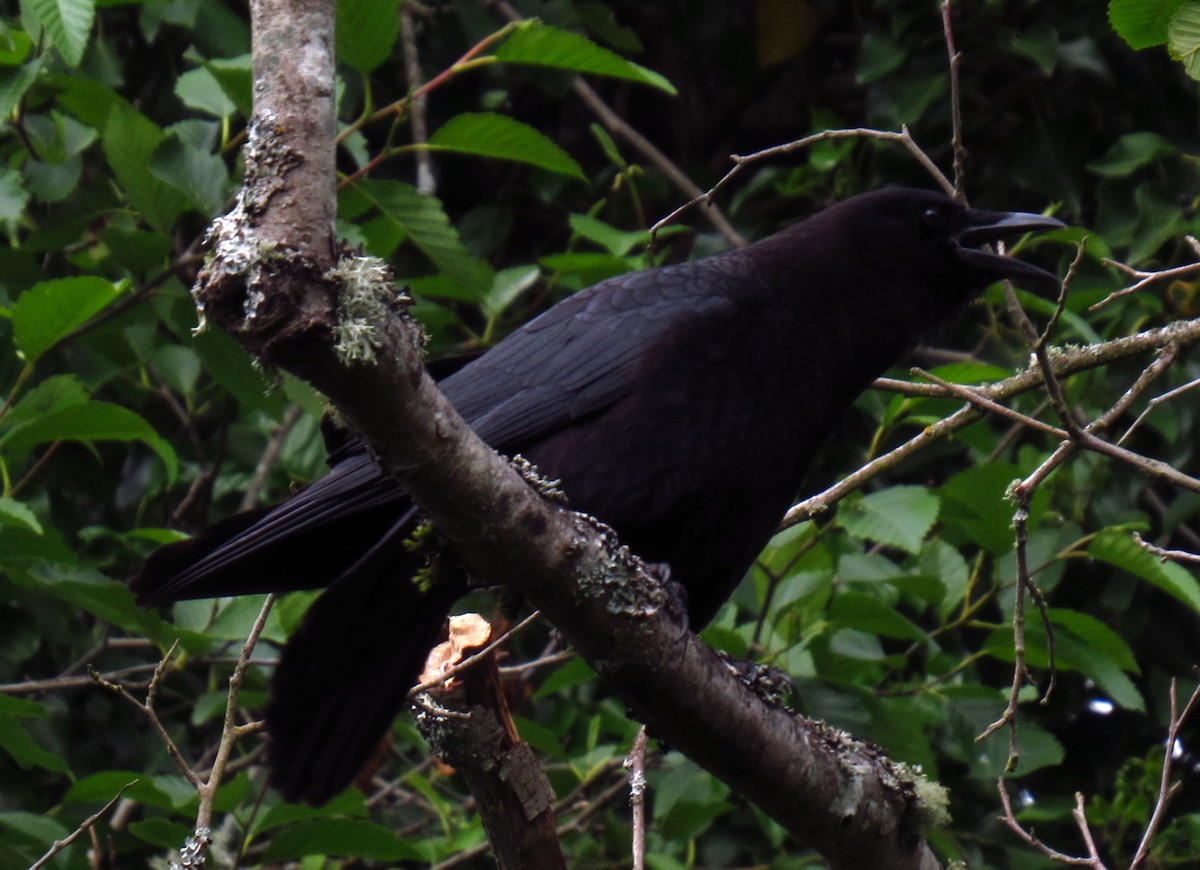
(424, 221)
(200, 90)
(200, 175)
(234, 76)
(1183, 37)
(229, 364)
(487, 134)
(868, 614)
(68, 22)
(13, 197)
(938, 559)
(1142, 23)
(129, 140)
(15, 82)
(1117, 547)
(538, 44)
(58, 391)
(1096, 635)
(974, 505)
(91, 421)
(47, 313)
(366, 32)
(13, 512)
(898, 517)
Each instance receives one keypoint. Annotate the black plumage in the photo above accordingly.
(680, 405)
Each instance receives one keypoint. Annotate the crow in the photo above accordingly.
(680, 405)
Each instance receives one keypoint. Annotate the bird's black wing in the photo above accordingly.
(582, 355)
(573, 361)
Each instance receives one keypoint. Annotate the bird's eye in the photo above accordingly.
(933, 217)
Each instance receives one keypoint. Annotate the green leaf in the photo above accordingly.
(22, 707)
(160, 832)
(616, 242)
(1117, 547)
(537, 44)
(898, 517)
(1142, 23)
(879, 57)
(974, 505)
(508, 285)
(58, 391)
(13, 512)
(14, 83)
(20, 745)
(1132, 151)
(590, 266)
(91, 421)
(47, 313)
(366, 32)
(1183, 37)
(200, 90)
(940, 560)
(15, 46)
(1095, 635)
(129, 141)
(866, 613)
(355, 838)
(68, 22)
(229, 364)
(198, 174)
(13, 198)
(234, 76)
(487, 134)
(1040, 44)
(425, 223)
(35, 827)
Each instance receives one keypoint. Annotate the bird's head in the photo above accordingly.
(933, 240)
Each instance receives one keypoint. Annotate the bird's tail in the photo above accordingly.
(345, 673)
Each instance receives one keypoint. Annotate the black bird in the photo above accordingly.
(680, 405)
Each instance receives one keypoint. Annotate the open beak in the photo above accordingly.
(984, 227)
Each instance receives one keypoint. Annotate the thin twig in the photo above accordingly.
(230, 731)
(1144, 278)
(956, 138)
(742, 160)
(147, 709)
(1166, 790)
(1010, 820)
(1167, 555)
(1066, 362)
(87, 823)
(636, 763)
(1155, 402)
(416, 108)
(986, 404)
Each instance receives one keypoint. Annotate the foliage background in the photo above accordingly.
(120, 427)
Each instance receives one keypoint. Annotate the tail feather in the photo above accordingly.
(304, 543)
(345, 673)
